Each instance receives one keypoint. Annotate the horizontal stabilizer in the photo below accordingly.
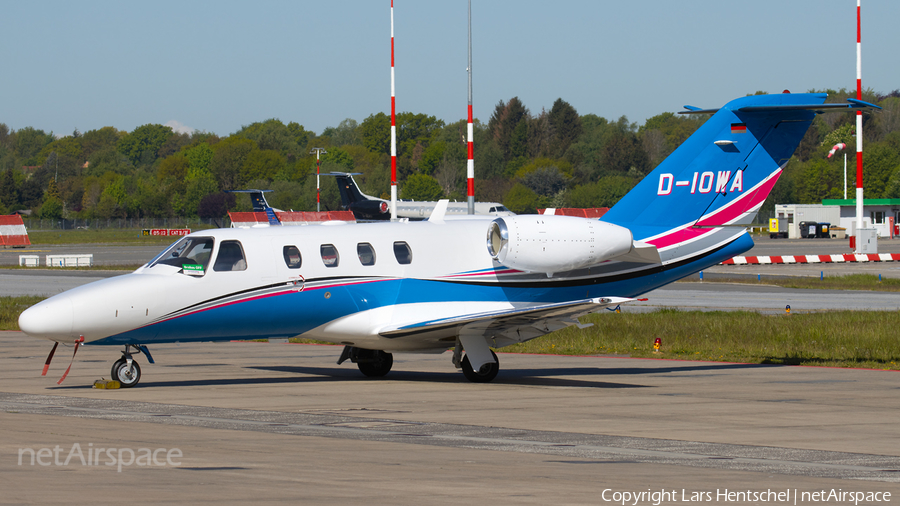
(641, 253)
(819, 108)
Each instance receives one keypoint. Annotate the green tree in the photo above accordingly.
(228, 159)
(376, 133)
(199, 157)
(150, 199)
(175, 143)
(175, 166)
(432, 156)
(289, 140)
(96, 140)
(422, 187)
(545, 181)
(262, 164)
(64, 156)
(53, 190)
(624, 153)
(603, 193)
(9, 194)
(586, 153)
(503, 125)
(339, 157)
(142, 145)
(52, 208)
(413, 129)
(113, 200)
(565, 125)
(345, 133)
(29, 142)
(521, 200)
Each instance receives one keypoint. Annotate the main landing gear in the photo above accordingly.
(485, 374)
(377, 363)
(126, 370)
(372, 363)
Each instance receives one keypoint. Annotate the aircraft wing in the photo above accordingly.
(517, 324)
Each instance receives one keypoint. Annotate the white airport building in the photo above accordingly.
(883, 215)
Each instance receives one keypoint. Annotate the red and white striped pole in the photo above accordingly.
(859, 132)
(470, 128)
(393, 127)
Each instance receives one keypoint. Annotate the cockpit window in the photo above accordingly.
(190, 254)
(402, 252)
(330, 255)
(292, 257)
(231, 257)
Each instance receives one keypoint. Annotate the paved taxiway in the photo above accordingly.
(278, 423)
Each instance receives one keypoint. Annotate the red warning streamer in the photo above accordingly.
(78, 342)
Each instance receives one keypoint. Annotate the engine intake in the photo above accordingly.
(550, 244)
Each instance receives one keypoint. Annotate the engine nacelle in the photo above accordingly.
(550, 244)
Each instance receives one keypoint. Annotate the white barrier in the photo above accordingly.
(84, 260)
(29, 260)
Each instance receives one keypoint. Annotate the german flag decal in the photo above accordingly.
(738, 128)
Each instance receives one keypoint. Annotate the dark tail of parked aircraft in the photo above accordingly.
(364, 207)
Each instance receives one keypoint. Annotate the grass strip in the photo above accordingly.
(866, 339)
(12, 307)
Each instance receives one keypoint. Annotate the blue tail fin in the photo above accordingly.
(273, 218)
(258, 199)
(722, 174)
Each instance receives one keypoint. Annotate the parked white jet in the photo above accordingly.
(463, 283)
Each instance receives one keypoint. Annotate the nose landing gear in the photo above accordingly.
(126, 370)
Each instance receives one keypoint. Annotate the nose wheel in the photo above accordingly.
(126, 371)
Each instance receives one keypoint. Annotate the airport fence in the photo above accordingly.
(38, 224)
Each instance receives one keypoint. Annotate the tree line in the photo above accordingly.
(524, 159)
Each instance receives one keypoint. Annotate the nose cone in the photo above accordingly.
(50, 319)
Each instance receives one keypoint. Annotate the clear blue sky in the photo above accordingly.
(217, 66)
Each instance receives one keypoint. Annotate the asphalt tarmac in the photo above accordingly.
(266, 423)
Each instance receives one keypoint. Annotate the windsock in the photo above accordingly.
(837, 147)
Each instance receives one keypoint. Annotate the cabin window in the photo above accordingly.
(402, 252)
(191, 254)
(330, 256)
(231, 257)
(292, 257)
(366, 253)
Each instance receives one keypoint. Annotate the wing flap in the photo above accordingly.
(496, 320)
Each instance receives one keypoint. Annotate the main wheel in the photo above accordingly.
(126, 376)
(374, 363)
(486, 374)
